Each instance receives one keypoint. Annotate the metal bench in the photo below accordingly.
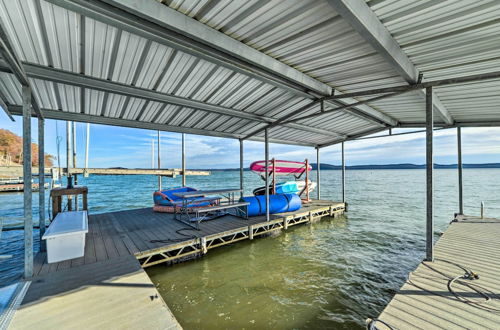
(216, 211)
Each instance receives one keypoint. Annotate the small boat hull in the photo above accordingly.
(296, 187)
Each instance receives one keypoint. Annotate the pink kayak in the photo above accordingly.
(283, 167)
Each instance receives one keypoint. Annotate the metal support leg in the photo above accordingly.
(318, 173)
(241, 167)
(183, 160)
(87, 145)
(429, 119)
(266, 147)
(28, 202)
(159, 161)
(41, 181)
(460, 167)
(343, 174)
(68, 152)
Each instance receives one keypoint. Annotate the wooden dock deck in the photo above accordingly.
(107, 287)
(430, 299)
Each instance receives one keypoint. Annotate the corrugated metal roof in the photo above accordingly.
(442, 39)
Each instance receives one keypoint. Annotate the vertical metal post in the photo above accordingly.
(266, 148)
(241, 167)
(159, 162)
(28, 202)
(183, 160)
(429, 120)
(73, 144)
(318, 173)
(68, 149)
(87, 145)
(460, 167)
(343, 174)
(153, 153)
(41, 181)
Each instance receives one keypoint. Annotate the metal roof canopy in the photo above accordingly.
(213, 68)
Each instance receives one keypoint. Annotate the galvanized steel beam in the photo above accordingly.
(460, 169)
(155, 15)
(5, 108)
(27, 190)
(173, 20)
(15, 65)
(183, 159)
(85, 118)
(367, 24)
(41, 181)
(432, 83)
(75, 79)
(429, 142)
(318, 173)
(343, 173)
(266, 159)
(241, 167)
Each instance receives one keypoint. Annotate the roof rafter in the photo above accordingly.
(370, 28)
(80, 80)
(85, 118)
(192, 37)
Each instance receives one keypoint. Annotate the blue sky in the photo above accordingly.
(129, 147)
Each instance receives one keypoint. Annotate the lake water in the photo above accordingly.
(331, 274)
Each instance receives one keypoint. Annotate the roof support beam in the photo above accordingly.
(367, 24)
(7, 52)
(5, 108)
(192, 37)
(80, 80)
(84, 118)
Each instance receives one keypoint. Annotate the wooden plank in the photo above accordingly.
(425, 300)
(123, 235)
(111, 250)
(113, 294)
(100, 248)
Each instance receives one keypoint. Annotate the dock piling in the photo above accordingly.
(482, 210)
(28, 202)
(159, 161)
(460, 168)
(183, 159)
(241, 167)
(266, 148)
(343, 174)
(318, 174)
(429, 116)
(87, 143)
(41, 181)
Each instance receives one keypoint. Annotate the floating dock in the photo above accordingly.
(107, 288)
(17, 171)
(443, 294)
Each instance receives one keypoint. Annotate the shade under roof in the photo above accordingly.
(230, 68)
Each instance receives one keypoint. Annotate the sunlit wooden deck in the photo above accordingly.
(108, 288)
(425, 301)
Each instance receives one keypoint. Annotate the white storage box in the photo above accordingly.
(65, 236)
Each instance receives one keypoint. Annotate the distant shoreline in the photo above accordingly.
(382, 167)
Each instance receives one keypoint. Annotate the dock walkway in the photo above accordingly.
(430, 299)
(107, 288)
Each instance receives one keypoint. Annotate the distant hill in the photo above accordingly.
(11, 150)
(403, 166)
